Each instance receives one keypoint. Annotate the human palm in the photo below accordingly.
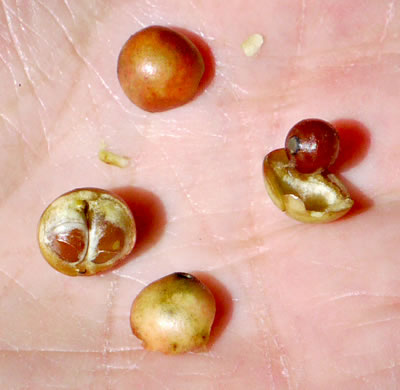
(300, 306)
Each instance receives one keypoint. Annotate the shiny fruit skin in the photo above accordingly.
(85, 231)
(312, 145)
(159, 69)
(174, 314)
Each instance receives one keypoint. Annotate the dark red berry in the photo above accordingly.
(312, 145)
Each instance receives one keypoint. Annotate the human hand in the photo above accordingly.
(300, 306)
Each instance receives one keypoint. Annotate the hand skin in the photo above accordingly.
(312, 307)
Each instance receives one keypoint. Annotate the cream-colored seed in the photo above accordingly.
(252, 44)
(112, 158)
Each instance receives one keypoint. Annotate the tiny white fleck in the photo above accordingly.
(252, 44)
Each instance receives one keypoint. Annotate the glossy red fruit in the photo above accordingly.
(312, 145)
(159, 69)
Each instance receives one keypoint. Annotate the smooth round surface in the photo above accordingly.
(312, 145)
(86, 231)
(173, 314)
(159, 69)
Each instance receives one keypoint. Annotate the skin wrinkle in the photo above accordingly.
(389, 17)
(137, 20)
(192, 203)
(51, 351)
(26, 167)
(161, 384)
(21, 136)
(333, 266)
(228, 265)
(388, 199)
(357, 294)
(107, 330)
(70, 351)
(236, 89)
(348, 58)
(265, 327)
(36, 300)
(364, 377)
(227, 374)
(130, 367)
(69, 8)
(124, 276)
(300, 27)
(374, 322)
(55, 313)
(15, 281)
(24, 60)
(391, 367)
(21, 57)
(24, 25)
(83, 58)
(201, 28)
(173, 135)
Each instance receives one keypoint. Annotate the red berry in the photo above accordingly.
(312, 145)
(159, 69)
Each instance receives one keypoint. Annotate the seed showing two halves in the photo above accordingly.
(86, 231)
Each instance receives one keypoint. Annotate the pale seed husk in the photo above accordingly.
(310, 198)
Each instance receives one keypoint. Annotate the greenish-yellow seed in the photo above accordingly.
(174, 314)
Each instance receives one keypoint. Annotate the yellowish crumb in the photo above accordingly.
(252, 44)
(112, 158)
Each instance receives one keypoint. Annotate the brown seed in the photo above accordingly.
(173, 314)
(86, 231)
(159, 69)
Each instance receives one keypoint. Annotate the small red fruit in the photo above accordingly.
(159, 69)
(312, 145)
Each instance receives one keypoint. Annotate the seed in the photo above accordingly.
(86, 231)
(252, 45)
(159, 69)
(312, 198)
(312, 145)
(173, 314)
(111, 158)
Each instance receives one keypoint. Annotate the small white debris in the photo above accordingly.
(111, 158)
(252, 44)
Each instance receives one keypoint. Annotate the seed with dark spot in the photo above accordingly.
(173, 314)
(312, 145)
